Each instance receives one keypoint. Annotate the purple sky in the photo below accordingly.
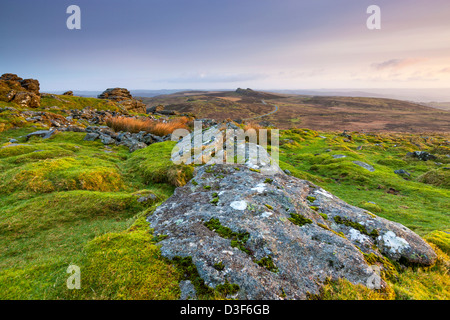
(210, 44)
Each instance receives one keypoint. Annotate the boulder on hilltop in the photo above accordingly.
(24, 92)
(124, 98)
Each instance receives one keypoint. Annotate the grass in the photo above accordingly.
(156, 127)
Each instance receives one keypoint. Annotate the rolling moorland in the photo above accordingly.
(312, 112)
(67, 200)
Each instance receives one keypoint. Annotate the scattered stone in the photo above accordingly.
(91, 136)
(364, 165)
(68, 93)
(106, 139)
(402, 172)
(44, 134)
(421, 155)
(339, 156)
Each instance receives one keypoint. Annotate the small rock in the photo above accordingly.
(105, 139)
(421, 155)
(91, 136)
(338, 156)
(402, 172)
(364, 165)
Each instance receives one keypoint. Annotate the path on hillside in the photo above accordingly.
(264, 115)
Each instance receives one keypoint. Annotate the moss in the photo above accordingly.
(390, 268)
(153, 165)
(214, 201)
(269, 206)
(371, 207)
(189, 272)
(219, 266)
(227, 289)
(126, 265)
(311, 199)
(255, 170)
(195, 183)
(437, 178)
(441, 239)
(267, 262)
(323, 215)
(314, 208)
(238, 239)
(207, 187)
(355, 225)
(299, 220)
(268, 180)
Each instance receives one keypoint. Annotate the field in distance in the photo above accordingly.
(312, 112)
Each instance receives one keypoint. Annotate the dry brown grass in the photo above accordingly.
(156, 127)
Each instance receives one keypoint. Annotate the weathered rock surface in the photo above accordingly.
(261, 209)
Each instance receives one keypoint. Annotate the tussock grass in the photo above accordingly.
(156, 127)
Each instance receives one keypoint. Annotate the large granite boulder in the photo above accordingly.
(274, 235)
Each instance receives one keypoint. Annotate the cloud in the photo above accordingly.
(396, 64)
(445, 70)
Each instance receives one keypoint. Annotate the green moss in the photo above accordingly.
(154, 165)
(314, 208)
(441, 239)
(269, 206)
(323, 215)
(355, 225)
(238, 239)
(126, 265)
(299, 220)
(267, 262)
(311, 199)
(227, 289)
(268, 180)
(189, 272)
(206, 187)
(214, 201)
(219, 266)
(195, 183)
(255, 170)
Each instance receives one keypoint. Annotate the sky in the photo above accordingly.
(225, 44)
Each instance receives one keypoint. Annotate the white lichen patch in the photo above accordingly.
(324, 193)
(266, 214)
(261, 187)
(355, 235)
(239, 205)
(394, 243)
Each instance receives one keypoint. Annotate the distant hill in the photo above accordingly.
(309, 111)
